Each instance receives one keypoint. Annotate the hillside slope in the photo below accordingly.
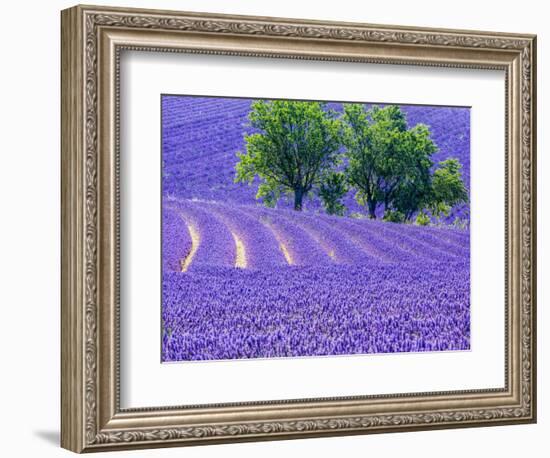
(201, 136)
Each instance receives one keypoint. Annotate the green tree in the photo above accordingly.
(447, 188)
(436, 193)
(388, 163)
(295, 143)
(422, 219)
(331, 190)
(361, 170)
(414, 188)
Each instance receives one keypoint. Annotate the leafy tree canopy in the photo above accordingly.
(389, 164)
(332, 189)
(295, 143)
(298, 146)
(447, 188)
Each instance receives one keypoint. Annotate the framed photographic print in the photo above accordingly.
(279, 228)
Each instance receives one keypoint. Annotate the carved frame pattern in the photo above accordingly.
(82, 402)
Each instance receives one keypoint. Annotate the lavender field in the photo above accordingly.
(241, 280)
(202, 134)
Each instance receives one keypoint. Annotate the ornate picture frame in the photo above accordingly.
(92, 41)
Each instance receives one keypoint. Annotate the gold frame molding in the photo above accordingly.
(92, 39)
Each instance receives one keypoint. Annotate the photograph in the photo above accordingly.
(302, 228)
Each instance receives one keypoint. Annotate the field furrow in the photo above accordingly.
(177, 241)
(260, 238)
(419, 245)
(440, 244)
(259, 243)
(374, 243)
(216, 244)
(334, 242)
(297, 245)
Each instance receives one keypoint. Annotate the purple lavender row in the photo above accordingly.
(198, 106)
(371, 241)
(176, 242)
(404, 242)
(176, 114)
(330, 238)
(433, 241)
(260, 245)
(221, 313)
(458, 236)
(421, 244)
(452, 235)
(297, 245)
(312, 240)
(213, 242)
(397, 243)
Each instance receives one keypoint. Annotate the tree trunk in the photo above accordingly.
(298, 197)
(372, 209)
(386, 203)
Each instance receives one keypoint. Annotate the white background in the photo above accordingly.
(29, 246)
(146, 75)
